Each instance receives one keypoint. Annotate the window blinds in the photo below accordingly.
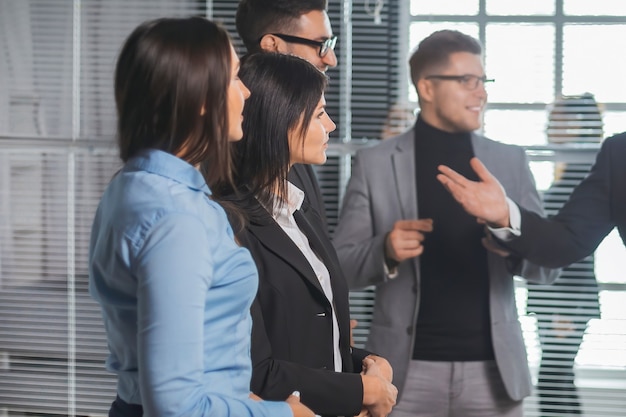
(57, 153)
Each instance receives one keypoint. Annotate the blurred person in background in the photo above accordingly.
(564, 308)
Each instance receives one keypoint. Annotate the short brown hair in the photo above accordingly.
(256, 18)
(435, 50)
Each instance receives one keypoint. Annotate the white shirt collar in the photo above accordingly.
(295, 198)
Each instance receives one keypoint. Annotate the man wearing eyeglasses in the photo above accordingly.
(296, 27)
(300, 28)
(283, 363)
(445, 313)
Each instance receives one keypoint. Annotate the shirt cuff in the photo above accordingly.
(515, 220)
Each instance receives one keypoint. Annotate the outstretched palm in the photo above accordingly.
(485, 199)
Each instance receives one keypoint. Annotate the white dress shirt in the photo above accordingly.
(284, 217)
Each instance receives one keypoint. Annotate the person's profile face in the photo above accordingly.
(314, 25)
(451, 105)
(311, 149)
(236, 96)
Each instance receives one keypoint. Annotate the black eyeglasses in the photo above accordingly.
(325, 45)
(469, 81)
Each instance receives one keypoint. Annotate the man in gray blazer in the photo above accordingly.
(445, 314)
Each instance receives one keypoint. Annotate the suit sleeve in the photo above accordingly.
(357, 358)
(578, 228)
(359, 248)
(528, 199)
(325, 392)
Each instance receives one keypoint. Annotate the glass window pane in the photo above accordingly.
(528, 7)
(36, 73)
(594, 8)
(543, 171)
(602, 351)
(420, 30)
(614, 122)
(460, 7)
(611, 259)
(519, 127)
(593, 61)
(523, 70)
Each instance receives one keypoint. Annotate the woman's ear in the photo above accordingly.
(269, 43)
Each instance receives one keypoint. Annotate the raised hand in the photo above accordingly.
(485, 199)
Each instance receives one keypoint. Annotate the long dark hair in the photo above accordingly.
(285, 90)
(168, 71)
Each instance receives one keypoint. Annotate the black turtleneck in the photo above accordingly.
(453, 321)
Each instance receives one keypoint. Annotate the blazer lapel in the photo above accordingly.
(317, 242)
(485, 153)
(498, 163)
(403, 163)
(405, 179)
(270, 235)
(310, 224)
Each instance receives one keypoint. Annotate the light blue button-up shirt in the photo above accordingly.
(175, 291)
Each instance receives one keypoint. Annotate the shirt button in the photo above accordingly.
(409, 330)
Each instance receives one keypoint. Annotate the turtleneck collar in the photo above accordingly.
(428, 136)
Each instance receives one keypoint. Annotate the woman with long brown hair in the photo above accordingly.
(174, 287)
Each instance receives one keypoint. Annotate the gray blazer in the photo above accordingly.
(381, 191)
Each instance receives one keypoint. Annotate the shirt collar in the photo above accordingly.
(167, 165)
(295, 198)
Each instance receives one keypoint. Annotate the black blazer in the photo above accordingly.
(292, 334)
(595, 207)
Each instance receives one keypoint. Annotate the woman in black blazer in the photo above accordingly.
(301, 333)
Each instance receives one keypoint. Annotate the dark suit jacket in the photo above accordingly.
(595, 207)
(292, 335)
